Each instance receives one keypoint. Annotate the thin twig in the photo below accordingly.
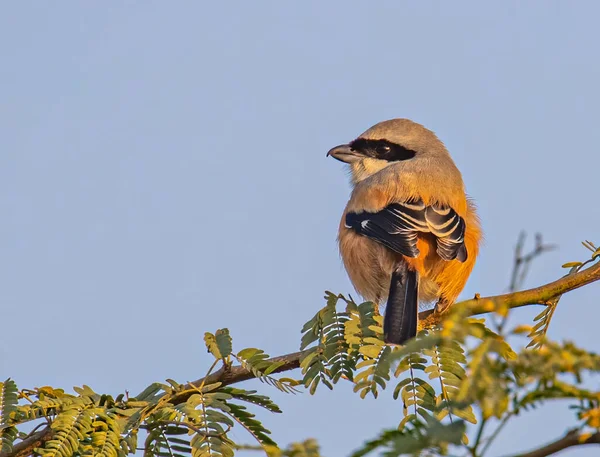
(523, 262)
(521, 268)
(496, 432)
(478, 437)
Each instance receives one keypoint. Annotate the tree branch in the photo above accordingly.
(572, 438)
(234, 374)
(537, 296)
(26, 447)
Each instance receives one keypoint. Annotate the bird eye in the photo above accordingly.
(383, 149)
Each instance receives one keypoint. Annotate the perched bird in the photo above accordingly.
(409, 233)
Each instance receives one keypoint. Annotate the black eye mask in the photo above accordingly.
(382, 149)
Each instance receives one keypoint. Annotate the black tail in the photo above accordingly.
(400, 321)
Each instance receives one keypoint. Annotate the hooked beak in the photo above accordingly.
(345, 154)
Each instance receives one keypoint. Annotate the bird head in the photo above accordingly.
(386, 143)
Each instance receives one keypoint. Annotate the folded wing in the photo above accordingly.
(398, 225)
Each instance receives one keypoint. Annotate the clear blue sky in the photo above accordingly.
(163, 173)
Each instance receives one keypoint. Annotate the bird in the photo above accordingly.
(409, 233)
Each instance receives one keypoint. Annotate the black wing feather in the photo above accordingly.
(449, 230)
(398, 225)
(387, 229)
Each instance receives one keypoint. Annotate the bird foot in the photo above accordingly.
(442, 305)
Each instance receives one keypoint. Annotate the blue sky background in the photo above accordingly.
(163, 173)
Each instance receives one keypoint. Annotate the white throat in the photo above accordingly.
(367, 167)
